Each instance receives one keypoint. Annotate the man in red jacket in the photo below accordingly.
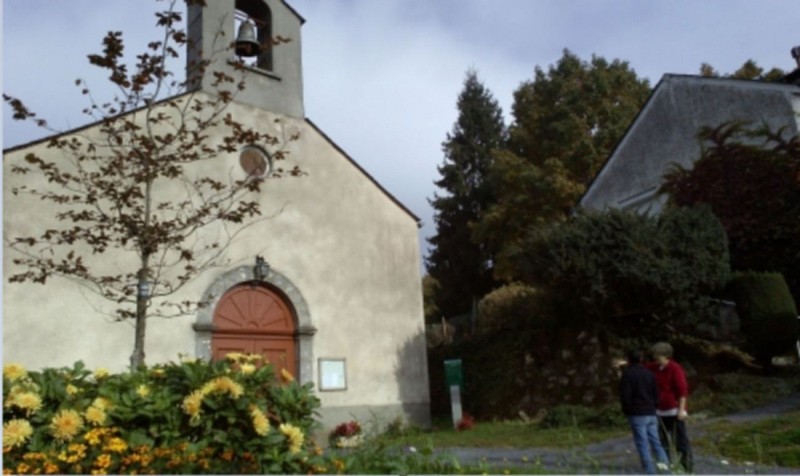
(672, 394)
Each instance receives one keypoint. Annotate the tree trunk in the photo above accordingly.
(142, 299)
(137, 358)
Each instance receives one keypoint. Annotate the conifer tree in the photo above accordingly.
(463, 267)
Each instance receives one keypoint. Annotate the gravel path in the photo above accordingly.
(618, 456)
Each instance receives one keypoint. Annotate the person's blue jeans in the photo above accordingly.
(645, 436)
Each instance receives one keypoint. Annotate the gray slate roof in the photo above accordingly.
(665, 132)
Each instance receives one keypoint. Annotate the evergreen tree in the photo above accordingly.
(462, 266)
(566, 122)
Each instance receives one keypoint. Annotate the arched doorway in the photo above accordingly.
(256, 319)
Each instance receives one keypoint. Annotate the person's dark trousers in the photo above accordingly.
(673, 435)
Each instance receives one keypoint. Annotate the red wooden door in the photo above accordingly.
(255, 320)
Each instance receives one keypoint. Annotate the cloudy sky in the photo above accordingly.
(382, 76)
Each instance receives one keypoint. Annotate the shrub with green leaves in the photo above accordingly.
(229, 416)
(629, 273)
(767, 313)
(510, 304)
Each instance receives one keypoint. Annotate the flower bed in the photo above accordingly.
(229, 416)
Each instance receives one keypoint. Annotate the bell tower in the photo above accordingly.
(273, 74)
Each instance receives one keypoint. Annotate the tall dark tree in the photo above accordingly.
(566, 122)
(463, 267)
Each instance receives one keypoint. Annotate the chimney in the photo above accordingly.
(794, 76)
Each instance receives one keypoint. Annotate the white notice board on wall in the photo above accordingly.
(332, 374)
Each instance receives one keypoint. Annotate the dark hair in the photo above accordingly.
(636, 356)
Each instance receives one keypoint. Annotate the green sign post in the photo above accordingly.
(453, 374)
(454, 379)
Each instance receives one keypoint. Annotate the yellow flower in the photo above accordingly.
(191, 404)
(208, 387)
(14, 372)
(157, 372)
(78, 449)
(16, 432)
(101, 373)
(72, 390)
(260, 421)
(235, 356)
(93, 436)
(34, 456)
(142, 390)
(102, 403)
(254, 357)
(247, 368)
(226, 385)
(294, 435)
(66, 424)
(95, 415)
(103, 461)
(286, 375)
(116, 445)
(23, 468)
(28, 401)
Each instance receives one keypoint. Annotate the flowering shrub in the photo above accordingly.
(230, 416)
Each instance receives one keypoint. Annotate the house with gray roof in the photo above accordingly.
(664, 133)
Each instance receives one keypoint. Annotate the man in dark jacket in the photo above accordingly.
(638, 395)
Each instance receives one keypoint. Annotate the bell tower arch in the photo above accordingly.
(274, 80)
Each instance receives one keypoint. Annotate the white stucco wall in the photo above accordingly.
(350, 250)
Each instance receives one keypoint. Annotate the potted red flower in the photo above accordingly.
(346, 435)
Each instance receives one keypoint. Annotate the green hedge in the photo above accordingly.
(767, 313)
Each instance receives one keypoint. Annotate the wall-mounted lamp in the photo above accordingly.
(261, 269)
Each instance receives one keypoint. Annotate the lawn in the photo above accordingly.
(775, 441)
(506, 434)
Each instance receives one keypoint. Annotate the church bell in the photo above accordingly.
(246, 43)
